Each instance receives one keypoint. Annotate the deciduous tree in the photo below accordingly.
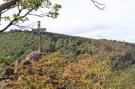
(27, 7)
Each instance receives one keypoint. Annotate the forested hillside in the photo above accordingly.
(69, 62)
(17, 44)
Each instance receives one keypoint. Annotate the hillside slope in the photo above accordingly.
(17, 44)
(68, 61)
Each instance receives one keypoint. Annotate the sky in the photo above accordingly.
(82, 18)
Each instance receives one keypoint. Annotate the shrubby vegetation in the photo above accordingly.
(53, 72)
(122, 79)
(69, 62)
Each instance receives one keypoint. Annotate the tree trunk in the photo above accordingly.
(8, 4)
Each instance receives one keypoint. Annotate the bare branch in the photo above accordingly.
(39, 15)
(23, 27)
(26, 13)
(97, 4)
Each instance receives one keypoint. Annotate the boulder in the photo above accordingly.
(26, 62)
(9, 71)
(34, 56)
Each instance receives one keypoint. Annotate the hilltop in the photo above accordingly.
(68, 62)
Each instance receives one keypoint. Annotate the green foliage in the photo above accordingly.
(32, 3)
(2, 67)
(18, 44)
(5, 60)
(37, 4)
(23, 8)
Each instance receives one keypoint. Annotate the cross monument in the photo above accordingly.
(39, 31)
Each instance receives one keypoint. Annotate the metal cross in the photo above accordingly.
(39, 31)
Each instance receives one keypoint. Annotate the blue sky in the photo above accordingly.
(82, 18)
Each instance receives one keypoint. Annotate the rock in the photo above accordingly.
(2, 78)
(34, 56)
(9, 71)
(5, 83)
(8, 81)
(26, 62)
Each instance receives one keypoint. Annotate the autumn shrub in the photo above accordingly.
(53, 72)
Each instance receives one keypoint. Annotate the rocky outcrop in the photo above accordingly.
(16, 66)
(9, 71)
(26, 62)
(34, 56)
(4, 83)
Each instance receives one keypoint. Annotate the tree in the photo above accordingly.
(28, 7)
(25, 8)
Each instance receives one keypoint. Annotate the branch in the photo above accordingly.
(97, 4)
(8, 5)
(15, 19)
(38, 15)
(22, 27)
(11, 22)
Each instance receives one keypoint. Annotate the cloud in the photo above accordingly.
(111, 32)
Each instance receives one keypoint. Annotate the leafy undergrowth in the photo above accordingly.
(122, 79)
(53, 71)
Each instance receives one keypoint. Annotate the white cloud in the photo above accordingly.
(113, 33)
